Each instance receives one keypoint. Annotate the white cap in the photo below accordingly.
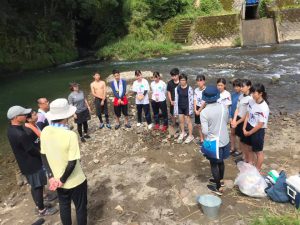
(17, 111)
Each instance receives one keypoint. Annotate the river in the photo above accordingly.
(262, 63)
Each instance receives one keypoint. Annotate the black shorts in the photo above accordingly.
(256, 140)
(37, 179)
(183, 110)
(83, 116)
(197, 118)
(239, 128)
(172, 109)
(121, 109)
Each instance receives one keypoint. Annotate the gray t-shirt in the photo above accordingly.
(77, 99)
(210, 118)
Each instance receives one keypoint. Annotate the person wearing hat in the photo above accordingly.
(28, 157)
(61, 157)
(214, 119)
(82, 115)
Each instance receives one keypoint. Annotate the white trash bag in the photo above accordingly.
(250, 181)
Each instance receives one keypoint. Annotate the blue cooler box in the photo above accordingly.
(293, 190)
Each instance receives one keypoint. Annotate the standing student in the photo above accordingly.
(255, 124)
(172, 84)
(239, 117)
(61, 158)
(43, 105)
(118, 87)
(82, 115)
(98, 89)
(214, 118)
(27, 153)
(141, 89)
(184, 107)
(237, 84)
(225, 97)
(158, 101)
(199, 104)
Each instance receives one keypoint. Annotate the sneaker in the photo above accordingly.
(101, 126)
(46, 205)
(214, 189)
(50, 197)
(48, 211)
(212, 181)
(189, 139)
(180, 138)
(236, 154)
(164, 128)
(127, 125)
(82, 139)
(156, 127)
(87, 136)
(150, 126)
(138, 124)
(108, 126)
(117, 126)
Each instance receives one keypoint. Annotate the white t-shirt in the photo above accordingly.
(242, 104)
(140, 87)
(158, 91)
(258, 113)
(225, 98)
(198, 96)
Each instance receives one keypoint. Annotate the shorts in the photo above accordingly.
(37, 179)
(172, 109)
(197, 118)
(121, 109)
(183, 110)
(239, 129)
(83, 116)
(224, 153)
(256, 140)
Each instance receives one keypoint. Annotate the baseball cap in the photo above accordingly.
(17, 111)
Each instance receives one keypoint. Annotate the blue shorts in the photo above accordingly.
(224, 153)
(183, 110)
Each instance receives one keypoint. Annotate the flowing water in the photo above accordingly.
(265, 63)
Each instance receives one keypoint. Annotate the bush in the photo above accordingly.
(268, 219)
(210, 6)
(130, 48)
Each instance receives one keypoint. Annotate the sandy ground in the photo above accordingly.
(136, 176)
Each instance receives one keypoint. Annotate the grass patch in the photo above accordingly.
(131, 48)
(290, 218)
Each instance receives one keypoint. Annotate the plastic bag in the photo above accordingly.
(249, 181)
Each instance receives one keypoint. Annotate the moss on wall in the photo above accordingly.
(217, 27)
(227, 4)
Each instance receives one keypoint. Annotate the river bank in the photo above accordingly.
(137, 176)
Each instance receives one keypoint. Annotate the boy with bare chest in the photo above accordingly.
(98, 89)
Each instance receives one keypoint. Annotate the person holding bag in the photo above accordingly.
(216, 147)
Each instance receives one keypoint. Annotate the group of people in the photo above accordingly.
(44, 146)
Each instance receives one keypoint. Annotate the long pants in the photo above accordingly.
(146, 108)
(100, 109)
(85, 128)
(217, 170)
(156, 106)
(78, 195)
(37, 195)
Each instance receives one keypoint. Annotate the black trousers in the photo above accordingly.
(37, 195)
(217, 170)
(156, 106)
(146, 108)
(78, 195)
(100, 109)
(85, 128)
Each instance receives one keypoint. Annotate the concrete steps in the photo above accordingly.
(182, 33)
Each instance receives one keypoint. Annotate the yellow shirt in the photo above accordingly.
(60, 146)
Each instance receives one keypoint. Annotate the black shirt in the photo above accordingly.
(171, 88)
(27, 154)
(183, 97)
